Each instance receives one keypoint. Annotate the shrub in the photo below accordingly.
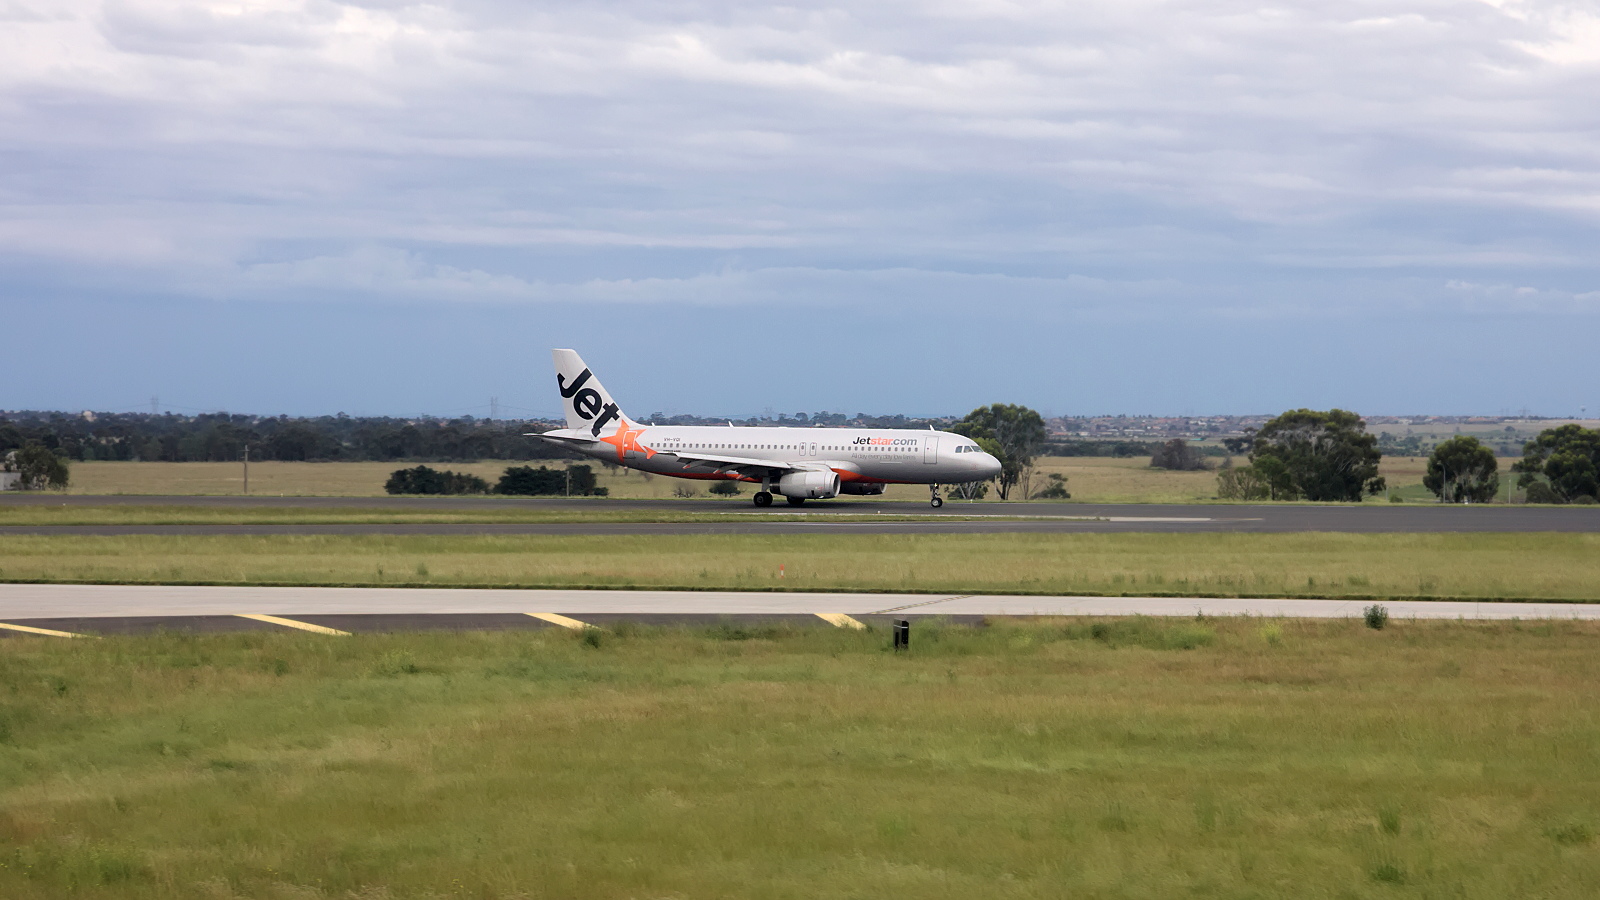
(1241, 483)
(1177, 455)
(423, 480)
(1388, 873)
(684, 491)
(1540, 492)
(1572, 834)
(728, 488)
(527, 481)
(1055, 488)
(1376, 616)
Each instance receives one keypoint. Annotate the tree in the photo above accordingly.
(1017, 433)
(1568, 458)
(1177, 456)
(1317, 455)
(1462, 470)
(38, 467)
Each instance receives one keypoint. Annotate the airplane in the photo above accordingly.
(798, 463)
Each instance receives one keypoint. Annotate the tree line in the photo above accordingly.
(222, 437)
(1305, 454)
(1302, 454)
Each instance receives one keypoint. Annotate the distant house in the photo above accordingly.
(10, 481)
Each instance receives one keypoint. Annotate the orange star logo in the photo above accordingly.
(625, 440)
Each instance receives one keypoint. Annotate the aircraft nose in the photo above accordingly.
(988, 465)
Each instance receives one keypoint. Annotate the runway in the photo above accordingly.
(823, 517)
(100, 609)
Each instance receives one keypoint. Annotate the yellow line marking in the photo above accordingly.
(45, 631)
(840, 620)
(291, 623)
(563, 621)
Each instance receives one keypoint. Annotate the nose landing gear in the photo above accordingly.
(937, 501)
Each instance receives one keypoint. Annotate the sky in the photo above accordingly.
(393, 208)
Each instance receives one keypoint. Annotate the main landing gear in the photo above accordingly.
(764, 499)
(937, 501)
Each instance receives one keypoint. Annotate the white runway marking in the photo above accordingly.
(46, 601)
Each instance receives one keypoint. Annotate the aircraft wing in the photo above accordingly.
(743, 465)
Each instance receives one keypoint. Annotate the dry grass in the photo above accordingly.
(1113, 759)
(1532, 566)
(423, 512)
(1090, 479)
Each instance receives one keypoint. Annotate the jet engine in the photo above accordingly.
(809, 485)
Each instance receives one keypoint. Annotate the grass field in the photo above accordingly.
(1090, 479)
(1131, 758)
(1514, 566)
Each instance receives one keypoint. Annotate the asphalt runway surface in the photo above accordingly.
(113, 609)
(955, 518)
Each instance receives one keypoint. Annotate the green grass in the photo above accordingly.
(1109, 759)
(1484, 566)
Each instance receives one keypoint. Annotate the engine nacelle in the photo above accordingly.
(809, 485)
(863, 487)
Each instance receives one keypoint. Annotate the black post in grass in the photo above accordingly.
(902, 634)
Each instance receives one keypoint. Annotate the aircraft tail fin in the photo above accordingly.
(588, 405)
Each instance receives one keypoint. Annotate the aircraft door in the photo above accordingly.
(930, 450)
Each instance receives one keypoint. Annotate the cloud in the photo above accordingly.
(515, 151)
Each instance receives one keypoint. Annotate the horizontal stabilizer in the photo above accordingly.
(564, 436)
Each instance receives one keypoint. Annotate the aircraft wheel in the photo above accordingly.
(763, 498)
(795, 501)
(936, 502)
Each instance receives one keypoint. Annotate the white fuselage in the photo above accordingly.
(799, 463)
(860, 456)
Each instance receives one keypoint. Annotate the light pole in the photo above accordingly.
(247, 468)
